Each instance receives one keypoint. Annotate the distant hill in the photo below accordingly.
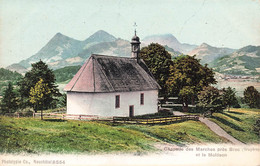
(65, 73)
(245, 61)
(172, 51)
(170, 41)
(17, 67)
(8, 76)
(207, 53)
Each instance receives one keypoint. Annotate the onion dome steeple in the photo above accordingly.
(135, 45)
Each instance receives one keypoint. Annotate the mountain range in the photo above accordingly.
(170, 41)
(62, 51)
(208, 54)
(245, 61)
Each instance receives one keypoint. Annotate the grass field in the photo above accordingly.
(58, 136)
(34, 136)
(184, 133)
(239, 123)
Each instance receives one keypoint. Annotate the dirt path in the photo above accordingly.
(215, 128)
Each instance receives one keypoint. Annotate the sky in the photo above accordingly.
(27, 25)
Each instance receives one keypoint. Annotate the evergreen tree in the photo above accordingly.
(229, 97)
(39, 70)
(158, 61)
(39, 94)
(252, 97)
(187, 78)
(9, 102)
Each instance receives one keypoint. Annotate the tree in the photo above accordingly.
(187, 78)
(229, 97)
(38, 95)
(39, 70)
(256, 127)
(210, 100)
(9, 102)
(252, 97)
(158, 61)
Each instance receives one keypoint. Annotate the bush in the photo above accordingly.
(252, 97)
(257, 127)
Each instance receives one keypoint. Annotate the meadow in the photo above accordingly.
(239, 123)
(32, 135)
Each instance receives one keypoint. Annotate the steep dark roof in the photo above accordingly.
(102, 73)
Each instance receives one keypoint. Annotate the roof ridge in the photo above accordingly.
(111, 56)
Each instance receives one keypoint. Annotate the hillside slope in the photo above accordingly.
(66, 73)
(245, 61)
(8, 76)
(74, 136)
(207, 53)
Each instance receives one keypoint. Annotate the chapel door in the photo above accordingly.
(131, 111)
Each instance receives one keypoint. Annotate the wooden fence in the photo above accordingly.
(67, 116)
(126, 120)
(162, 120)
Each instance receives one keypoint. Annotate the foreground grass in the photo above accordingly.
(239, 123)
(57, 136)
(183, 133)
(34, 136)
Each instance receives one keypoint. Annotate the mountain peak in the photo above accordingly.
(167, 36)
(205, 45)
(100, 36)
(58, 35)
(101, 32)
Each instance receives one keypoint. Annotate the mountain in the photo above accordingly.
(58, 48)
(207, 53)
(63, 51)
(118, 47)
(170, 41)
(98, 37)
(17, 67)
(245, 61)
(172, 51)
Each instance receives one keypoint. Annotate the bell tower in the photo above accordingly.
(135, 46)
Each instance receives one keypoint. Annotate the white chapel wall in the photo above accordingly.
(103, 104)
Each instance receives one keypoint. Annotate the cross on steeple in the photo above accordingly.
(135, 45)
(135, 25)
